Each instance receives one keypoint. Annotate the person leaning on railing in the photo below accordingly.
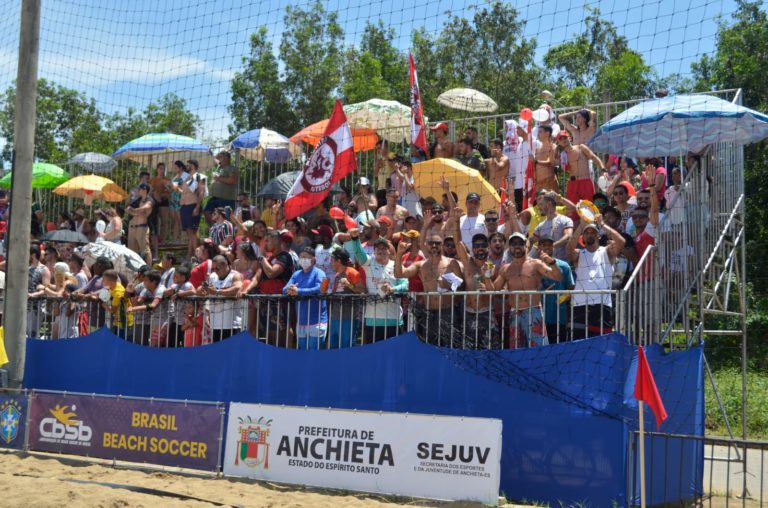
(383, 319)
(311, 314)
(593, 313)
(344, 315)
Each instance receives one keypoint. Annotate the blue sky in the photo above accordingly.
(126, 54)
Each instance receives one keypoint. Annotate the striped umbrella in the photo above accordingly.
(265, 145)
(165, 147)
(677, 125)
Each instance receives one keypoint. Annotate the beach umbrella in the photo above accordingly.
(65, 236)
(265, 145)
(462, 179)
(278, 187)
(90, 188)
(362, 139)
(126, 261)
(390, 119)
(467, 99)
(44, 176)
(93, 162)
(677, 125)
(165, 147)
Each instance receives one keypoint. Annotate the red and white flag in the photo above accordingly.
(332, 160)
(418, 134)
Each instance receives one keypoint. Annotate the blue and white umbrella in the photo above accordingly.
(679, 124)
(165, 147)
(265, 145)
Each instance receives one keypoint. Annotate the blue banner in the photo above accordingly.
(13, 419)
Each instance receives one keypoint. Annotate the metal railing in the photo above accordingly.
(735, 471)
(465, 320)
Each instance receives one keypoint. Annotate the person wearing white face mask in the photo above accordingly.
(312, 314)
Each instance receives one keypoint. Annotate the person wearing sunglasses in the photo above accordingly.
(523, 273)
(481, 331)
(436, 313)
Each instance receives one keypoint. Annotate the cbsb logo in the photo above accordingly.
(253, 435)
(65, 427)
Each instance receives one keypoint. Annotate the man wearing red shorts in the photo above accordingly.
(580, 185)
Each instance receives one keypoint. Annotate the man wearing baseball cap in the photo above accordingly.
(593, 314)
(473, 222)
(524, 273)
(344, 325)
(441, 146)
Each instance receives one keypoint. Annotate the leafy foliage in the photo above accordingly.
(311, 52)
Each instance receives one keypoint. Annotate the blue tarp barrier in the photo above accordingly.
(563, 407)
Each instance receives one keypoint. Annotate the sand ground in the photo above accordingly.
(53, 481)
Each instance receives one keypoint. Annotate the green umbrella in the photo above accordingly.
(44, 176)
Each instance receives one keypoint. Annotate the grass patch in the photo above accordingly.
(728, 381)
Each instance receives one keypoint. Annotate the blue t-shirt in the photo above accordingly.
(309, 312)
(553, 314)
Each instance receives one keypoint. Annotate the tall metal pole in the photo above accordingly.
(15, 311)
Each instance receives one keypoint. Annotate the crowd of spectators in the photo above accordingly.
(365, 249)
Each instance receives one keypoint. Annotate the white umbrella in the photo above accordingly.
(93, 162)
(390, 119)
(467, 99)
(125, 260)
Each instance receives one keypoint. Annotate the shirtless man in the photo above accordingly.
(545, 160)
(580, 185)
(523, 273)
(481, 331)
(438, 312)
(584, 128)
(497, 165)
(138, 230)
(435, 222)
(442, 147)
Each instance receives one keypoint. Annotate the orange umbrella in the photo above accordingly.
(363, 139)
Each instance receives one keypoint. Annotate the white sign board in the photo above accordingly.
(439, 457)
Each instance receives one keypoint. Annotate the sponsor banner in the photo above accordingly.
(135, 430)
(13, 417)
(391, 453)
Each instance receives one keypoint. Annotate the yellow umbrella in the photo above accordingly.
(462, 179)
(90, 188)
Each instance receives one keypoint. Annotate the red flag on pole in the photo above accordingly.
(645, 388)
(332, 160)
(418, 134)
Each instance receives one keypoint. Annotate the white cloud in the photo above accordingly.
(144, 66)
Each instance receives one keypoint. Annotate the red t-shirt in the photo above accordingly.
(642, 242)
(200, 273)
(414, 283)
(275, 286)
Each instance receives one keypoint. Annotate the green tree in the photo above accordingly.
(377, 40)
(624, 77)
(311, 53)
(363, 78)
(740, 61)
(487, 52)
(170, 114)
(579, 61)
(67, 122)
(257, 92)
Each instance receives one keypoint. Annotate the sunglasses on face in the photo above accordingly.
(434, 244)
(480, 246)
(491, 219)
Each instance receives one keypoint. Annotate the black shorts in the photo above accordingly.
(164, 203)
(189, 222)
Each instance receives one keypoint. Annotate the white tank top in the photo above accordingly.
(594, 270)
(226, 313)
